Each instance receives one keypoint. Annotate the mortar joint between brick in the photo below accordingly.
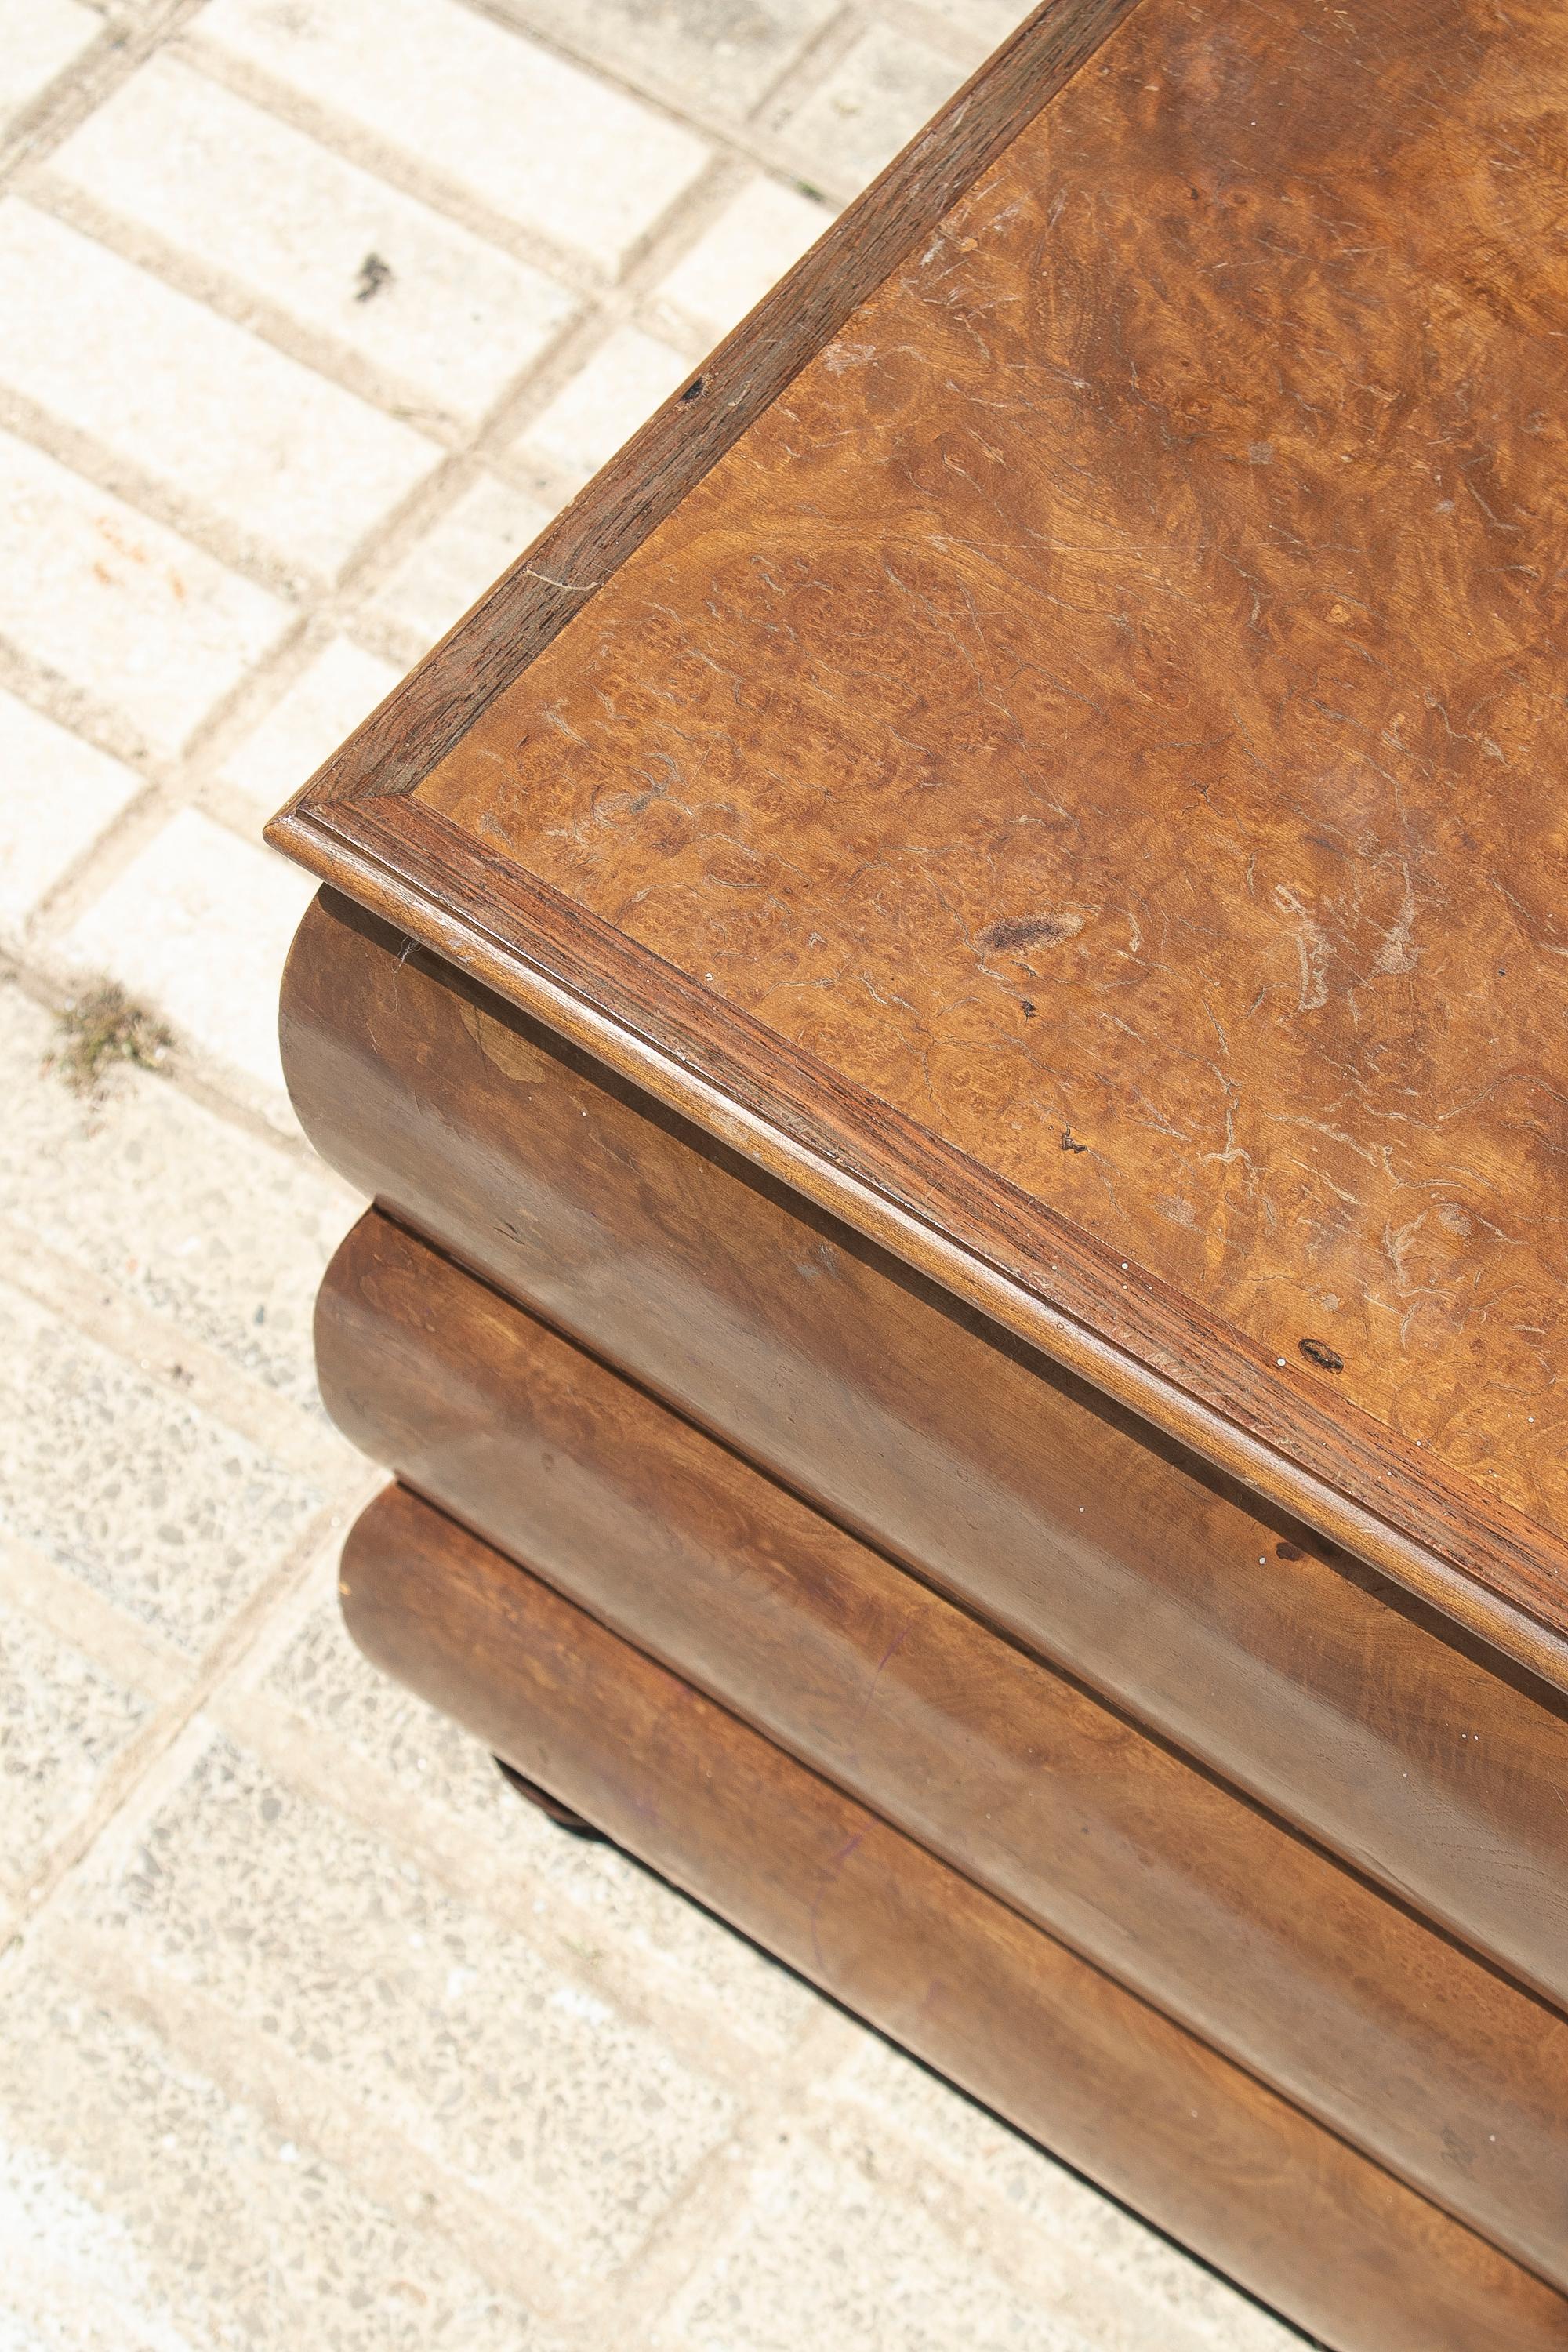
(125, 43)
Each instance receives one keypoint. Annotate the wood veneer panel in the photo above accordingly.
(1079, 768)
(1115, 695)
(1387, 2031)
(1298, 1676)
(1206, 2151)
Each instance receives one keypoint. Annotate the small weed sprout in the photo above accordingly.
(100, 1028)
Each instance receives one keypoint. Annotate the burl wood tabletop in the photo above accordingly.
(1106, 717)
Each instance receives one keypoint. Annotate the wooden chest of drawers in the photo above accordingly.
(953, 999)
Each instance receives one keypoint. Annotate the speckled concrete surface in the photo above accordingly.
(309, 2032)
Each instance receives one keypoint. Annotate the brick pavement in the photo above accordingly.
(312, 312)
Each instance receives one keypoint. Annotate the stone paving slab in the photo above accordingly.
(226, 193)
(114, 622)
(441, 86)
(64, 1721)
(83, 789)
(310, 311)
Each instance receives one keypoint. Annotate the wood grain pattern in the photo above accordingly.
(1080, 769)
(1210, 2155)
(1291, 1671)
(1383, 2029)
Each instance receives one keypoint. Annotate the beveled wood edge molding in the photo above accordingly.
(1201, 1383)
(529, 605)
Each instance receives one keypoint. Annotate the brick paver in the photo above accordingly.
(311, 310)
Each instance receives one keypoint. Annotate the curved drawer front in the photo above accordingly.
(1294, 1671)
(1196, 1898)
(1208, 2153)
